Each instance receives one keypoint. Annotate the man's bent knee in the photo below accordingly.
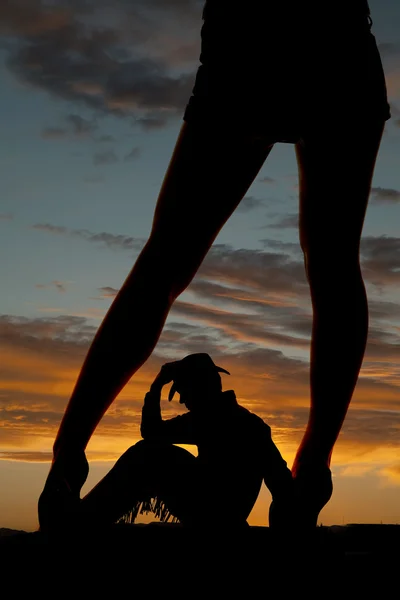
(146, 448)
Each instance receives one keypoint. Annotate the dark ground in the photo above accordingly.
(354, 561)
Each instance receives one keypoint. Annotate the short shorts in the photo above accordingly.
(280, 72)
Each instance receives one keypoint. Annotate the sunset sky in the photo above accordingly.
(91, 102)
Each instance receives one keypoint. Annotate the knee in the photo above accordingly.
(332, 267)
(137, 448)
(171, 265)
(144, 447)
(147, 451)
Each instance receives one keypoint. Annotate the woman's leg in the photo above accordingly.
(335, 177)
(210, 171)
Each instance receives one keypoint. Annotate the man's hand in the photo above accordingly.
(166, 375)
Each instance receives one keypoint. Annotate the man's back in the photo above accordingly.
(231, 430)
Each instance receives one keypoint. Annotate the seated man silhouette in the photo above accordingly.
(221, 485)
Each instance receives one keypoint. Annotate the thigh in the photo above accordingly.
(344, 121)
(211, 169)
(335, 175)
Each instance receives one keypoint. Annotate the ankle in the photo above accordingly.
(71, 465)
(310, 464)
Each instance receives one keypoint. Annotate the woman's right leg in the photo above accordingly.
(209, 173)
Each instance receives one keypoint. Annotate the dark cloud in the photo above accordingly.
(372, 428)
(234, 327)
(122, 242)
(290, 248)
(31, 18)
(286, 222)
(110, 240)
(248, 299)
(384, 311)
(183, 328)
(126, 58)
(248, 315)
(80, 126)
(50, 228)
(133, 154)
(380, 258)
(174, 343)
(261, 270)
(151, 123)
(57, 331)
(258, 362)
(382, 352)
(385, 195)
(267, 179)
(249, 203)
(108, 157)
(58, 285)
(108, 292)
(242, 317)
(148, 87)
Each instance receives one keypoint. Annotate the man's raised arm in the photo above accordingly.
(177, 430)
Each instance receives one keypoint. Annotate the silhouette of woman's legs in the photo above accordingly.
(210, 171)
(335, 175)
